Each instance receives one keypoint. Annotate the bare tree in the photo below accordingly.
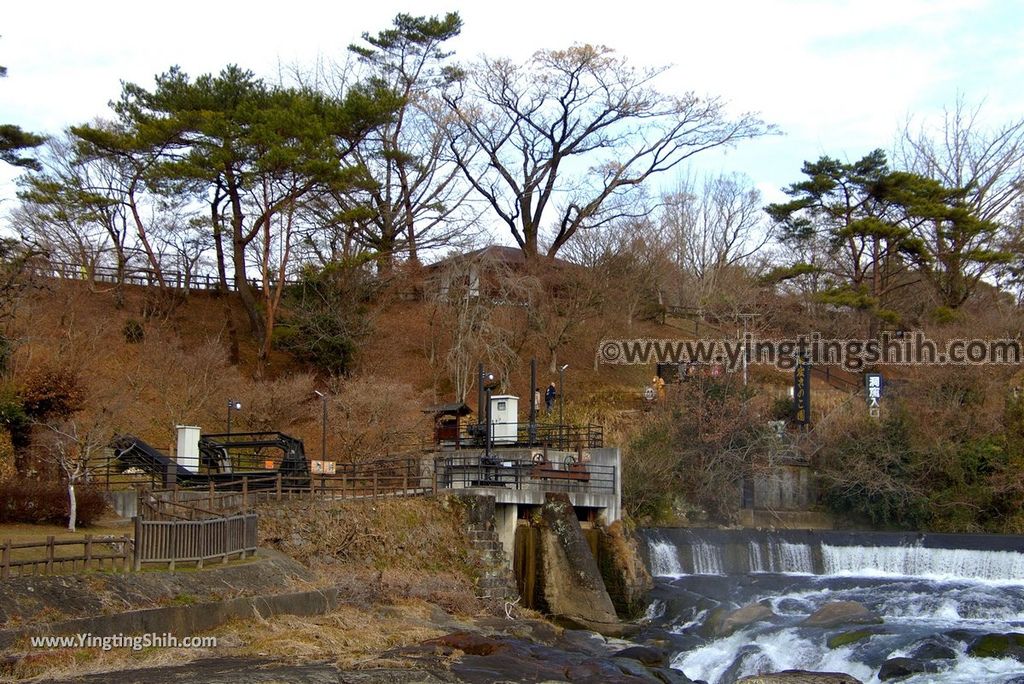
(473, 320)
(628, 267)
(575, 133)
(710, 227)
(984, 167)
(418, 201)
(75, 445)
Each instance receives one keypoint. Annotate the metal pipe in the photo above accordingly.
(533, 400)
(480, 397)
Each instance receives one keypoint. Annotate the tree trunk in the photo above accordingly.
(244, 289)
(72, 507)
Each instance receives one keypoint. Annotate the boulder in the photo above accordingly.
(800, 677)
(469, 643)
(898, 668)
(851, 637)
(643, 654)
(839, 613)
(572, 584)
(669, 675)
(1009, 645)
(935, 648)
(723, 622)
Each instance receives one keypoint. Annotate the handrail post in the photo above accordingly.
(245, 493)
(49, 554)
(5, 560)
(137, 545)
(279, 485)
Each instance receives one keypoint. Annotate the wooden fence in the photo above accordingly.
(142, 276)
(169, 542)
(385, 478)
(98, 553)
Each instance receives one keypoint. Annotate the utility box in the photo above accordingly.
(504, 419)
(187, 453)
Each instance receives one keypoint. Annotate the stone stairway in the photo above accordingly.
(496, 580)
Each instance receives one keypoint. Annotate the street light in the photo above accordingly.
(233, 405)
(323, 431)
(489, 383)
(561, 403)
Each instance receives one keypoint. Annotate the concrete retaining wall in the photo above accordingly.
(182, 621)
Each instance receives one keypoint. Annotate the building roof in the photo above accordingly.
(452, 409)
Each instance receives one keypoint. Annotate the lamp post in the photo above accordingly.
(233, 405)
(323, 425)
(489, 382)
(561, 403)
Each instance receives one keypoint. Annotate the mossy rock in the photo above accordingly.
(998, 646)
(851, 637)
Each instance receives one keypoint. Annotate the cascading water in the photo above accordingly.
(785, 557)
(707, 559)
(665, 559)
(928, 593)
(916, 561)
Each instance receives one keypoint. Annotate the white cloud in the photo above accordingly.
(838, 76)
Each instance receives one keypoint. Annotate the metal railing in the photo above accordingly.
(525, 434)
(464, 472)
(395, 477)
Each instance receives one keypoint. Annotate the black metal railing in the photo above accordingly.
(522, 434)
(567, 475)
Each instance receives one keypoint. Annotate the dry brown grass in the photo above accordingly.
(75, 662)
(352, 637)
(33, 532)
(425, 535)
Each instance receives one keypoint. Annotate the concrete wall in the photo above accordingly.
(785, 488)
(124, 503)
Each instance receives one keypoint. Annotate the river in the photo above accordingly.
(933, 593)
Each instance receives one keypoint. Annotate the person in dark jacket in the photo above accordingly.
(549, 397)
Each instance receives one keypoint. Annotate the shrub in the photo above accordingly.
(38, 501)
(51, 392)
(133, 331)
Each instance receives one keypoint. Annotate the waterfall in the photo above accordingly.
(929, 556)
(792, 558)
(755, 558)
(707, 559)
(918, 561)
(665, 559)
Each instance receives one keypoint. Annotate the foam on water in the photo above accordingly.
(766, 652)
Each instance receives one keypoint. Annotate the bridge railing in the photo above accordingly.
(465, 472)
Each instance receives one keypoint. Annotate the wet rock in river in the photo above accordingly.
(842, 613)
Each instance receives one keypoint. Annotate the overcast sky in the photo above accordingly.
(838, 77)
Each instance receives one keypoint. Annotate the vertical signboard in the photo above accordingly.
(873, 387)
(802, 393)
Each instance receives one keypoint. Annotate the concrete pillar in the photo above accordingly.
(505, 517)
